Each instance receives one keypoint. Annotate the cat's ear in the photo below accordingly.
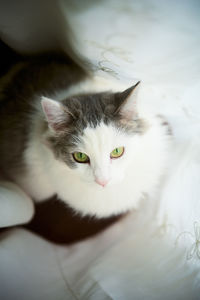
(57, 115)
(127, 104)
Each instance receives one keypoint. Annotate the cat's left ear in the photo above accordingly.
(127, 104)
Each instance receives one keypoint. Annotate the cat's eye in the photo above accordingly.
(80, 157)
(117, 152)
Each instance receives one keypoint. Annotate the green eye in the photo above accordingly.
(117, 152)
(81, 157)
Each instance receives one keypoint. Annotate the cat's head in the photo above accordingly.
(91, 134)
(109, 156)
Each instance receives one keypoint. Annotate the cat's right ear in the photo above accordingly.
(57, 116)
(127, 102)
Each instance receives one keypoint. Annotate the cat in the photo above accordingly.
(61, 134)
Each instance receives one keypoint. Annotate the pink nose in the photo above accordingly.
(101, 182)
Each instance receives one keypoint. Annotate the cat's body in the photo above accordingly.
(37, 145)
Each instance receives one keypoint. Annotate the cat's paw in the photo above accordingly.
(15, 206)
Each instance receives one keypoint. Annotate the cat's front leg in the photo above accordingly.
(16, 207)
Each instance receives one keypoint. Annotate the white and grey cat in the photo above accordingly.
(62, 134)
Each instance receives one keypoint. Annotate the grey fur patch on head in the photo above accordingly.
(91, 110)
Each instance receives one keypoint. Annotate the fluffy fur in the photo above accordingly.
(130, 177)
(42, 164)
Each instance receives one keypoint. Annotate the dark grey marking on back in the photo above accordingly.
(20, 89)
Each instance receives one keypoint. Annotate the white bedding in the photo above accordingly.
(143, 256)
(128, 261)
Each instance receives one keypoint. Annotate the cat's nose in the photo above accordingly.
(101, 182)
